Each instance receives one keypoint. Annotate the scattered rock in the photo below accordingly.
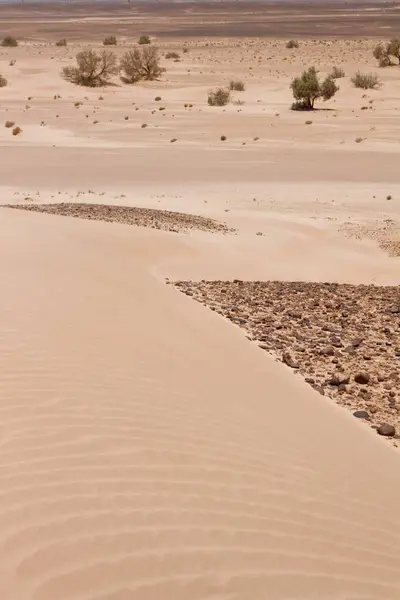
(361, 414)
(386, 429)
(362, 378)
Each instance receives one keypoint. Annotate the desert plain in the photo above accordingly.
(199, 308)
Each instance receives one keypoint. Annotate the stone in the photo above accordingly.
(362, 378)
(327, 351)
(339, 379)
(289, 361)
(386, 429)
(361, 414)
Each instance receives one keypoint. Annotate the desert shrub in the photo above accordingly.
(16, 131)
(173, 55)
(111, 40)
(9, 42)
(144, 39)
(292, 44)
(365, 81)
(62, 42)
(237, 86)
(185, 50)
(141, 63)
(393, 48)
(9, 124)
(382, 53)
(308, 88)
(3, 81)
(219, 97)
(92, 69)
(337, 73)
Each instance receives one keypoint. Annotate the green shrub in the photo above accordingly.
(9, 42)
(237, 86)
(365, 81)
(111, 40)
(144, 39)
(308, 88)
(219, 97)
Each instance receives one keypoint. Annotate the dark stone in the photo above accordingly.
(339, 379)
(386, 429)
(361, 414)
(362, 378)
(356, 342)
(289, 361)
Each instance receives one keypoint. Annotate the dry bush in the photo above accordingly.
(3, 81)
(308, 88)
(111, 40)
(9, 42)
(393, 48)
(365, 81)
(382, 53)
(292, 44)
(92, 69)
(9, 124)
(237, 86)
(62, 42)
(16, 131)
(173, 55)
(144, 39)
(337, 73)
(141, 63)
(219, 97)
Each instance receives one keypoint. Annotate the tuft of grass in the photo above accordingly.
(365, 81)
(173, 55)
(157, 98)
(9, 124)
(9, 42)
(359, 140)
(61, 43)
(308, 122)
(236, 86)
(337, 73)
(219, 97)
(16, 131)
(12, 62)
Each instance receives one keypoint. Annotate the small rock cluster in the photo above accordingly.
(343, 339)
(129, 215)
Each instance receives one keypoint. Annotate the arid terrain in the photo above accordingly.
(200, 308)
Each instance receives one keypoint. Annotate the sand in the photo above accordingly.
(149, 449)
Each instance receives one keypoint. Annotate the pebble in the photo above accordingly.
(386, 429)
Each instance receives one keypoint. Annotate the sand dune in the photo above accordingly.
(150, 451)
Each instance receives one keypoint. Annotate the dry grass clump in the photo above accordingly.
(308, 88)
(144, 39)
(61, 43)
(337, 73)
(236, 86)
(141, 63)
(3, 81)
(9, 42)
(219, 97)
(365, 81)
(172, 55)
(292, 44)
(141, 217)
(111, 40)
(9, 124)
(92, 69)
(16, 131)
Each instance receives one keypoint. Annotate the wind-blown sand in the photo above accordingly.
(149, 451)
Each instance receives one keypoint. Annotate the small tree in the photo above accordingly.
(141, 63)
(111, 40)
(92, 69)
(3, 81)
(62, 42)
(144, 39)
(308, 88)
(9, 42)
(219, 97)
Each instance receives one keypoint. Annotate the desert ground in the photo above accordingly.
(199, 309)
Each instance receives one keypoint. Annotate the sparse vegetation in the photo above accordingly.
(308, 88)
(223, 138)
(92, 69)
(9, 42)
(144, 39)
(170, 55)
(383, 53)
(292, 44)
(16, 131)
(365, 81)
(61, 43)
(9, 124)
(3, 81)
(185, 50)
(337, 73)
(237, 86)
(141, 63)
(111, 40)
(219, 97)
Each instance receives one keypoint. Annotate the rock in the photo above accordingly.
(327, 351)
(361, 414)
(386, 429)
(339, 379)
(289, 361)
(362, 378)
(356, 342)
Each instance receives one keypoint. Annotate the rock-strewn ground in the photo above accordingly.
(141, 217)
(343, 339)
(386, 233)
